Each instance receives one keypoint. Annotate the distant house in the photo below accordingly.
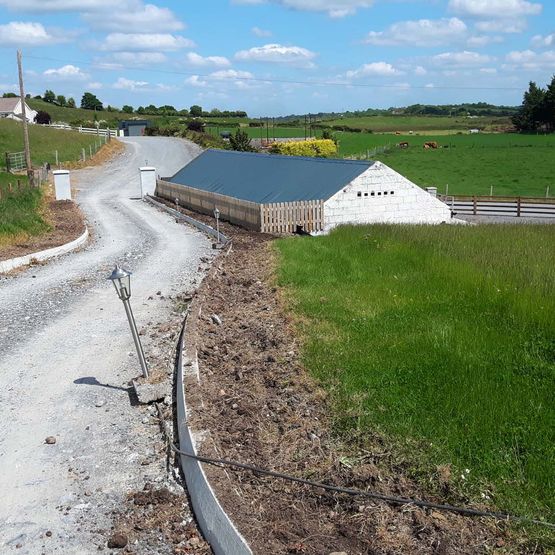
(10, 108)
(274, 193)
(474, 131)
(133, 127)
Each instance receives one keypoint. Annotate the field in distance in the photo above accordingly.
(441, 340)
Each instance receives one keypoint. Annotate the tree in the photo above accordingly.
(127, 109)
(43, 117)
(71, 102)
(49, 96)
(240, 141)
(9, 95)
(549, 105)
(529, 116)
(195, 125)
(195, 111)
(90, 102)
(61, 100)
(141, 110)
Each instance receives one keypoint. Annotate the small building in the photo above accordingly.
(275, 194)
(11, 108)
(133, 127)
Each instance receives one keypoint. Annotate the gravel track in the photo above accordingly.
(63, 333)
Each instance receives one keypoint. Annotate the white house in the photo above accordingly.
(344, 191)
(11, 108)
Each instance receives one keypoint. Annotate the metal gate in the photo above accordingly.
(15, 161)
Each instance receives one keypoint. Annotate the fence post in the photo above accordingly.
(83, 154)
(518, 201)
(474, 205)
(547, 192)
(90, 151)
(7, 162)
(57, 163)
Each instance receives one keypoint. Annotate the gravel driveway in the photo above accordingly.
(66, 358)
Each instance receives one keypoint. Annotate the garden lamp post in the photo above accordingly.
(217, 216)
(122, 282)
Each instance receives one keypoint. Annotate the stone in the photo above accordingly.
(148, 393)
(117, 540)
(48, 534)
(50, 440)
(216, 319)
(100, 403)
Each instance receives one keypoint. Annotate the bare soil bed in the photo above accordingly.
(67, 224)
(257, 404)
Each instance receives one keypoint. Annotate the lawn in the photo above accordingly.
(44, 142)
(470, 164)
(443, 340)
(20, 211)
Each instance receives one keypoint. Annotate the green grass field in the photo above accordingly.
(513, 164)
(20, 211)
(421, 123)
(443, 340)
(44, 142)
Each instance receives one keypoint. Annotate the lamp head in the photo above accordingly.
(122, 282)
(216, 213)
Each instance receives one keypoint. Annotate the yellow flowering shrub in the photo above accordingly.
(321, 148)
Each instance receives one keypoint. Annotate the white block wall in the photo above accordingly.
(385, 197)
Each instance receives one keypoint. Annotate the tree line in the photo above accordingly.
(537, 112)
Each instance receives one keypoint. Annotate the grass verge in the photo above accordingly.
(20, 212)
(441, 338)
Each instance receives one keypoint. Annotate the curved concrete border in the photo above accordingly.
(13, 263)
(199, 225)
(217, 527)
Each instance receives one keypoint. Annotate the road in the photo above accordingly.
(67, 357)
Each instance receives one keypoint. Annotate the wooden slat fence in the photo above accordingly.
(281, 217)
(284, 217)
(518, 207)
(239, 212)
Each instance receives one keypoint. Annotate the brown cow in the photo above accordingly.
(430, 144)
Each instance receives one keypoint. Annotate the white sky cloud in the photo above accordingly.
(56, 5)
(197, 60)
(540, 41)
(502, 25)
(21, 33)
(277, 53)
(118, 60)
(141, 18)
(495, 8)
(530, 60)
(423, 32)
(68, 72)
(196, 81)
(261, 32)
(382, 69)
(462, 59)
(161, 42)
(334, 8)
(130, 84)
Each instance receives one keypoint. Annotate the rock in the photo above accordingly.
(100, 403)
(48, 534)
(50, 440)
(338, 553)
(148, 393)
(117, 540)
(216, 319)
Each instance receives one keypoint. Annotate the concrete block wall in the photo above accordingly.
(381, 195)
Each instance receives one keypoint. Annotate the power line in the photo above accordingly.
(109, 67)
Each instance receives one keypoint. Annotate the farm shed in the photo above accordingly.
(133, 127)
(11, 108)
(272, 193)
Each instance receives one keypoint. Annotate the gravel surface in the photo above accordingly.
(67, 359)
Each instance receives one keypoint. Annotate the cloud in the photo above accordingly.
(419, 70)
(196, 81)
(119, 60)
(66, 73)
(276, 53)
(160, 42)
(20, 33)
(261, 32)
(497, 9)
(482, 40)
(382, 69)
(502, 26)
(334, 8)
(530, 60)
(197, 60)
(540, 41)
(143, 17)
(423, 32)
(57, 5)
(462, 59)
(129, 84)
(94, 85)
(231, 74)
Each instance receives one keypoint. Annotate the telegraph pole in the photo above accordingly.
(23, 113)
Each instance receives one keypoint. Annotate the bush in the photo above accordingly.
(43, 117)
(240, 141)
(320, 148)
(195, 125)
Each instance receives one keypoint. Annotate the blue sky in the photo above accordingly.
(276, 57)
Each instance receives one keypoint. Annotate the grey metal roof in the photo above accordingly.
(266, 178)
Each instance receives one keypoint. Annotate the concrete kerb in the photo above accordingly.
(217, 527)
(13, 263)
(210, 231)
